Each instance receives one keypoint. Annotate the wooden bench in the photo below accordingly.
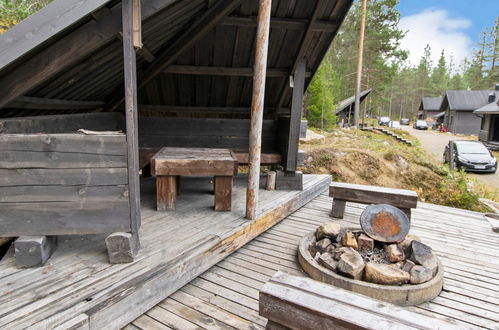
(291, 302)
(170, 163)
(348, 192)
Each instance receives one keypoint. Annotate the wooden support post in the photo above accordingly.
(338, 209)
(295, 120)
(223, 193)
(257, 104)
(166, 192)
(31, 251)
(122, 247)
(271, 179)
(131, 109)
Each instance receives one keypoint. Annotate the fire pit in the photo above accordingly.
(379, 259)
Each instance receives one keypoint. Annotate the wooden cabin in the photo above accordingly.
(429, 108)
(345, 109)
(459, 106)
(489, 130)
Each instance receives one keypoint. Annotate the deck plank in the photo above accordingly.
(463, 241)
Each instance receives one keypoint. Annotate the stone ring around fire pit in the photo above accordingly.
(404, 295)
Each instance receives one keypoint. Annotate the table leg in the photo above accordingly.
(338, 209)
(166, 192)
(223, 193)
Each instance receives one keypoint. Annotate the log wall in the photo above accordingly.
(58, 184)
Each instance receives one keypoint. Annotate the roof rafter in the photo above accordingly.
(183, 43)
(68, 50)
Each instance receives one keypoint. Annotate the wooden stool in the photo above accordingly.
(348, 192)
(170, 163)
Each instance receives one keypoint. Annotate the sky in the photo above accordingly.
(453, 25)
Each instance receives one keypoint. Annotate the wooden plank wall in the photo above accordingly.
(105, 121)
(157, 132)
(58, 184)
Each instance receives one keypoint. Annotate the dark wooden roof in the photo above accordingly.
(197, 56)
(430, 103)
(465, 100)
(346, 103)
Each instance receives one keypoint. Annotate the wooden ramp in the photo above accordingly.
(226, 296)
(78, 287)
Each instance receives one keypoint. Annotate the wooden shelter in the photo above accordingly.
(168, 73)
(429, 108)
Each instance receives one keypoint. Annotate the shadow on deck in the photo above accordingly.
(79, 288)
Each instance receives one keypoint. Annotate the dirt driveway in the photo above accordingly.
(435, 142)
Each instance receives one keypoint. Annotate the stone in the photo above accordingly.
(327, 261)
(317, 256)
(365, 242)
(351, 265)
(327, 230)
(339, 251)
(422, 254)
(32, 251)
(122, 247)
(405, 244)
(394, 253)
(322, 245)
(349, 240)
(408, 266)
(385, 274)
(420, 274)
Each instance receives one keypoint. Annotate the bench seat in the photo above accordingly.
(292, 302)
(348, 192)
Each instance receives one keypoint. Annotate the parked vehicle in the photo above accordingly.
(405, 121)
(471, 156)
(394, 124)
(420, 124)
(384, 121)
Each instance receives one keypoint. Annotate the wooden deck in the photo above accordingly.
(78, 287)
(226, 296)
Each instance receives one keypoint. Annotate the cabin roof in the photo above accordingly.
(351, 100)
(466, 100)
(431, 103)
(197, 57)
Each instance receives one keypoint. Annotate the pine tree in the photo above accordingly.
(439, 77)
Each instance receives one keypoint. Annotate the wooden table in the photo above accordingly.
(170, 163)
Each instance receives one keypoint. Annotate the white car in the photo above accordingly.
(394, 124)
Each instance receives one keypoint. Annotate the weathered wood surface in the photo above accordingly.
(32, 251)
(166, 192)
(257, 106)
(132, 27)
(343, 192)
(295, 119)
(63, 177)
(40, 103)
(302, 303)
(78, 285)
(202, 133)
(193, 161)
(58, 184)
(228, 292)
(62, 123)
(223, 193)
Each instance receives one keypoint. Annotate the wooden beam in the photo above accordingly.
(257, 105)
(130, 70)
(142, 51)
(295, 120)
(40, 103)
(281, 23)
(224, 71)
(68, 51)
(41, 26)
(194, 109)
(319, 8)
(183, 43)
